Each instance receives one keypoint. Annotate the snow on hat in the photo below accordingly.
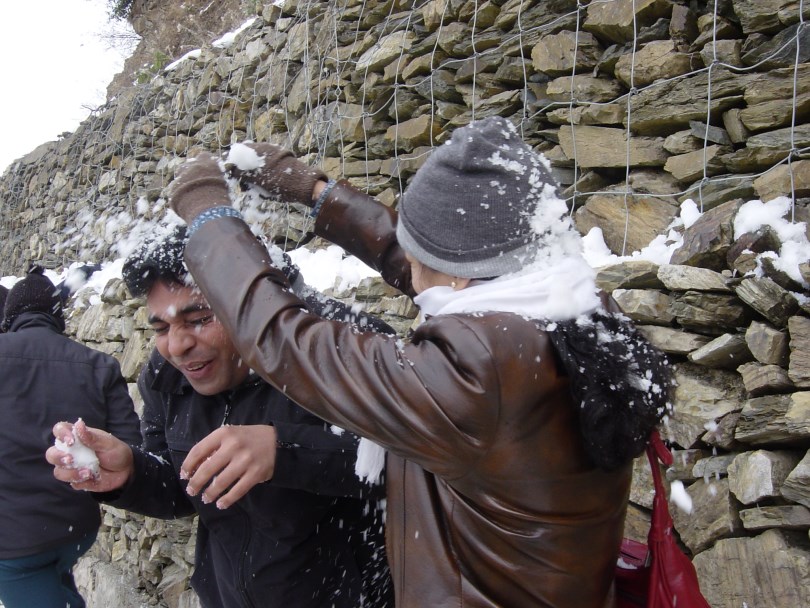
(469, 210)
(33, 293)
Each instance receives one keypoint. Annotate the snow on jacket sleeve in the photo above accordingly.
(310, 455)
(366, 228)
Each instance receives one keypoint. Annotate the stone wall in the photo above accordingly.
(639, 105)
(661, 101)
(740, 346)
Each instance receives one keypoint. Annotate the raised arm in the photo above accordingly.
(369, 383)
(352, 219)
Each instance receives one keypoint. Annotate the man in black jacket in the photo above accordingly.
(47, 377)
(307, 533)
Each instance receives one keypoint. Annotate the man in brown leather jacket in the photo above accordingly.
(513, 413)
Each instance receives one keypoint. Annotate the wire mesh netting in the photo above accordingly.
(638, 104)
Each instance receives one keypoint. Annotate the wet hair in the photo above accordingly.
(157, 259)
(621, 384)
(161, 259)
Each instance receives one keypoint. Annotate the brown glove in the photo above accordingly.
(198, 184)
(279, 173)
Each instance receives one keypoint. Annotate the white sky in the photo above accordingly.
(55, 67)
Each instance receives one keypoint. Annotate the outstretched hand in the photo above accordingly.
(229, 462)
(114, 458)
(275, 170)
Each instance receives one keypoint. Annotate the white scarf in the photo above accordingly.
(559, 291)
(563, 290)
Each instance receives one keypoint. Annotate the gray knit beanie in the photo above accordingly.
(468, 210)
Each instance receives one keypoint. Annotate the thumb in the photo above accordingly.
(95, 439)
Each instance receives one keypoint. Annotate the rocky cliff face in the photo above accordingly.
(170, 29)
(638, 104)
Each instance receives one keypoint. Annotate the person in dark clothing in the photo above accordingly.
(3, 294)
(308, 532)
(47, 377)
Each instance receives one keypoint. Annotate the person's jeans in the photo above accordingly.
(44, 580)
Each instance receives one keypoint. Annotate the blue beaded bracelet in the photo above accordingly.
(212, 214)
(322, 197)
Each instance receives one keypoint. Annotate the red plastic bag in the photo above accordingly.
(658, 574)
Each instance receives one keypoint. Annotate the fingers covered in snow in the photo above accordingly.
(229, 462)
(110, 467)
(62, 460)
(82, 457)
(63, 431)
(275, 170)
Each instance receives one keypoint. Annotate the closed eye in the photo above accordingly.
(201, 321)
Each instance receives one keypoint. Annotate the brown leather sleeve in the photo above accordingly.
(366, 228)
(425, 402)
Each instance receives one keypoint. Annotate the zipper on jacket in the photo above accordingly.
(228, 407)
(242, 584)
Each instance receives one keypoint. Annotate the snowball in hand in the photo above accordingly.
(83, 457)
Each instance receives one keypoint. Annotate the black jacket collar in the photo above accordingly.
(28, 320)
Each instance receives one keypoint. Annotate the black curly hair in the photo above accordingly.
(621, 383)
(160, 258)
(157, 259)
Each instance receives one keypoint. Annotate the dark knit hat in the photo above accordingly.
(468, 210)
(33, 293)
